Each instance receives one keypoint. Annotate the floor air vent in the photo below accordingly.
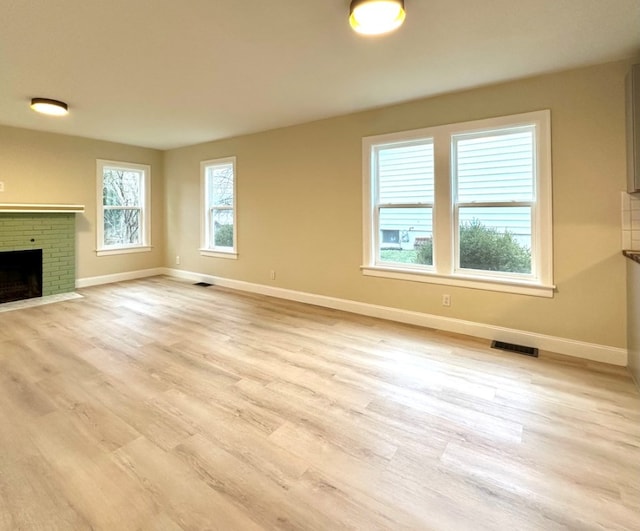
(203, 284)
(518, 349)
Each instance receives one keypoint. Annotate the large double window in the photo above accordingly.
(123, 223)
(463, 204)
(219, 208)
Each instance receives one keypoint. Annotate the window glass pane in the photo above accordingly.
(220, 185)
(121, 187)
(406, 236)
(222, 228)
(495, 167)
(495, 239)
(405, 173)
(122, 226)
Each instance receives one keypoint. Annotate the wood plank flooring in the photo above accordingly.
(159, 405)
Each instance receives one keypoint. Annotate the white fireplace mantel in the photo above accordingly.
(40, 208)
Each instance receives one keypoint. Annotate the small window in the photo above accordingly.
(391, 237)
(123, 207)
(219, 208)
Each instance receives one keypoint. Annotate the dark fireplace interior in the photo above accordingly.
(20, 275)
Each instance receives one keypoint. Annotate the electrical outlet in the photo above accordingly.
(177, 260)
(272, 274)
(446, 300)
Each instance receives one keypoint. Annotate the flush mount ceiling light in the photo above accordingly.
(374, 17)
(47, 106)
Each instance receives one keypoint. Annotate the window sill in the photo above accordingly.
(230, 255)
(489, 284)
(123, 250)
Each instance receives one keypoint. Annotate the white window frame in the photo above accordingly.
(445, 270)
(145, 208)
(206, 248)
(378, 206)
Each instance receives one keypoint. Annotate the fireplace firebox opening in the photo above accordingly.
(20, 275)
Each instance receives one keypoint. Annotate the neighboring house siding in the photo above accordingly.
(486, 169)
(410, 227)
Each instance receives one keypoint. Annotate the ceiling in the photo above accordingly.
(167, 73)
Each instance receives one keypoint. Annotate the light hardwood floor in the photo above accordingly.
(155, 404)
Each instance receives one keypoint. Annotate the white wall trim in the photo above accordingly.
(559, 345)
(119, 277)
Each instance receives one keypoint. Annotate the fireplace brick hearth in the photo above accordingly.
(54, 233)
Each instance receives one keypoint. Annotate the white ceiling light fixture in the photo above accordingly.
(375, 17)
(48, 106)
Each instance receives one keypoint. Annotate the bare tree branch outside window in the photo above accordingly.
(122, 203)
(220, 191)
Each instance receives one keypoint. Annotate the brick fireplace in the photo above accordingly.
(49, 228)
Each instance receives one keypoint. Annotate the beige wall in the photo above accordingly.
(300, 206)
(41, 167)
(300, 203)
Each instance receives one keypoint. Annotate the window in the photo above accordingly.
(494, 191)
(123, 207)
(463, 204)
(219, 208)
(404, 198)
(391, 237)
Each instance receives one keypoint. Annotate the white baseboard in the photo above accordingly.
(559, 345)
(119, 277)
